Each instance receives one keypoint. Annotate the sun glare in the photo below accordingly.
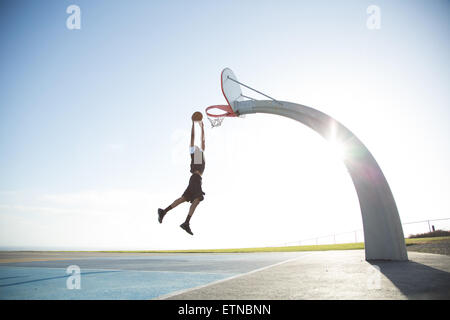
(337, 148)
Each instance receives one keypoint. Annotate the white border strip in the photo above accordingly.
(172, 294)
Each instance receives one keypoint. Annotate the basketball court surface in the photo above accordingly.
(277, 275)
(280, 275)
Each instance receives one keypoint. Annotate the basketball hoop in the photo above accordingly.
(216, 119)
(231, 89)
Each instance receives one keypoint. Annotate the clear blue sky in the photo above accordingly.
(94, 123)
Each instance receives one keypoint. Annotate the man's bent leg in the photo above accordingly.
(185, 225)
(174, 204)
(162, 213)
(192, 209)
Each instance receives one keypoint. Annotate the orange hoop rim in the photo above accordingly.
(228, 111)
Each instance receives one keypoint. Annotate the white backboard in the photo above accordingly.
(230, 89)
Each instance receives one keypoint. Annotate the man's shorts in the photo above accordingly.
(194, 189)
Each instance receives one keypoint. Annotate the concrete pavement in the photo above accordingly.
(337, 275)
(277, 275)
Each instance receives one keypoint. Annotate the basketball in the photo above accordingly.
(197, 116)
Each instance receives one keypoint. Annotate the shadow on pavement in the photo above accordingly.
(416, 280)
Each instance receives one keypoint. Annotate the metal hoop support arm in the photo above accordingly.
(383, 232)
(242, 84)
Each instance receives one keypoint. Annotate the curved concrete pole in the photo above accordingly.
(383, 233)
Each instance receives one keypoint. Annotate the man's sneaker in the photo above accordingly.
(161, 215)
(185, 227)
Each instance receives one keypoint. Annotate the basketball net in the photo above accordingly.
(216, 119)
(216, 122)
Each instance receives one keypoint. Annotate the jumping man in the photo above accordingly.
(193, 193)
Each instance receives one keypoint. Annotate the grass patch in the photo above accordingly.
(324, 247)
(320, 247)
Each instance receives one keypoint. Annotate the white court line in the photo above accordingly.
(169, 295)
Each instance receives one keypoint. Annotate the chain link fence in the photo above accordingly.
(409, 228)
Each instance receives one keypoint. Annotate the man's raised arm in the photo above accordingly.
(203, 136)
(192, 134)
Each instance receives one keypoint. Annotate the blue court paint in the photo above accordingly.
(125, 276)
(29, 283)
